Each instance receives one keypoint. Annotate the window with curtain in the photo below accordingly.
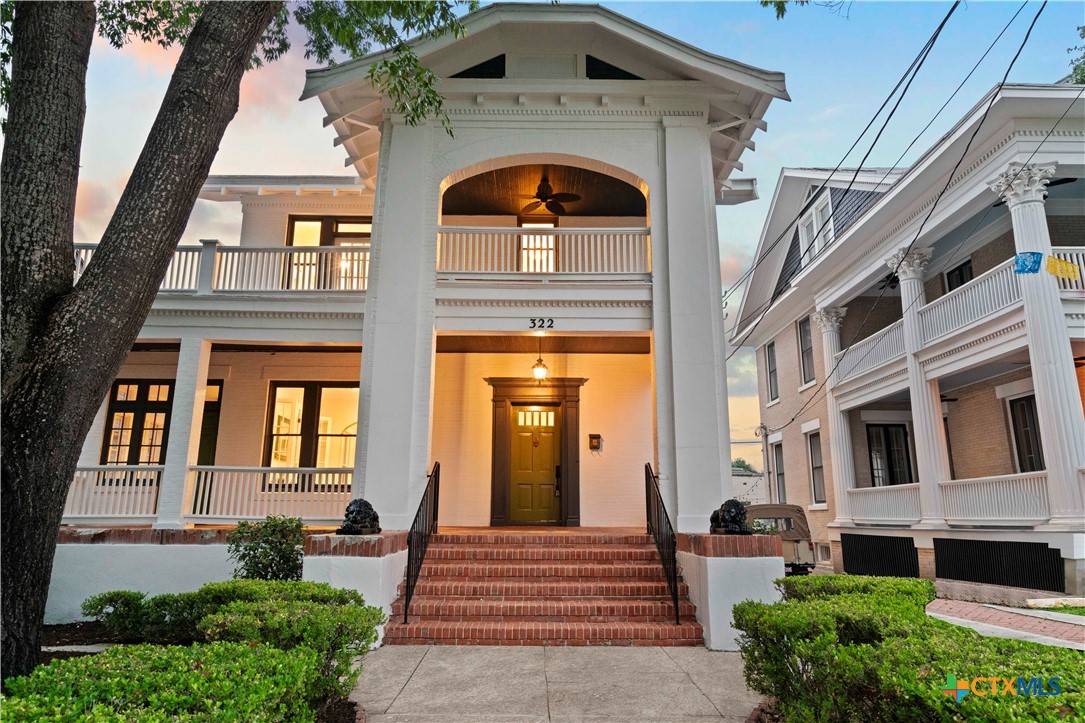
(817, 467)
(806, 350)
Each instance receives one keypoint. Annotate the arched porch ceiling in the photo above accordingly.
(494, 192)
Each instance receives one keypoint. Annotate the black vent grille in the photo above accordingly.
(879, 555)
(1031, 565)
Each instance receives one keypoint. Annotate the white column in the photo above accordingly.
(840, 446)
(688, 320)
(183, 441)
(398, 333)
(1058, 406)
(931, 453)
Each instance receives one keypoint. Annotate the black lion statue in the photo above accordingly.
(361, 519)
(730, 519)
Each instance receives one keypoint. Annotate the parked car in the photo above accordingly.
(789, 522)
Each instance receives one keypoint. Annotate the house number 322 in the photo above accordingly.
(540, 323)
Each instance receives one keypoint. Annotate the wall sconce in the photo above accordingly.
(539, 370)
(595, 442)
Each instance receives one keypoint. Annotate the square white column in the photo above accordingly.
(183, 441)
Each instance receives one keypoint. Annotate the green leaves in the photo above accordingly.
(842, 647)
(271, 549)
(220, 681)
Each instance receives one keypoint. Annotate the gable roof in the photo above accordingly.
(737, 94)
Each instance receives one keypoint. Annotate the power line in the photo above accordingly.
(920, 57)
(888, 172)
(919, 232)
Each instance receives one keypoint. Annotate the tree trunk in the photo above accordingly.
(69, 344)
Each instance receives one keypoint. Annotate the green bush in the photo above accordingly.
(337, 632)
(842, 648)
(819, 586)
(175, 617)
(271, 549)
(220, 681)
(120, 611)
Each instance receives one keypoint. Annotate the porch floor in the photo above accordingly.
(541, 530)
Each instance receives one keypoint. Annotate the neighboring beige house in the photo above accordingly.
(950, 440)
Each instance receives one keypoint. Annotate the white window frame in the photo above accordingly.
(770, 372)
(828, 555)
(803, 383)
(815, 503)
(811, 223)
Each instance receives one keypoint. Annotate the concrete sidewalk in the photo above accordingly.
(457, 684)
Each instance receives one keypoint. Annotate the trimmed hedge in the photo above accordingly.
(175, 617)
(843, 648)
(219, 681)
(337, 632)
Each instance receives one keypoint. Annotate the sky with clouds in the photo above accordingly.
(839, 68)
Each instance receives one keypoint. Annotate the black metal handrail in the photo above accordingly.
(424, 525)
(661, 530)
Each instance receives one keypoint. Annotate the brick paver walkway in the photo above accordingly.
(980, 613)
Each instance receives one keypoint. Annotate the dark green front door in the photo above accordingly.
(536, 454)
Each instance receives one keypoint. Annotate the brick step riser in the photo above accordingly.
(609, 643)
(520, 619)
(458, 607)
(543, 554)
(540, 540)
(518, 632)
(535, 589)
(469, 571)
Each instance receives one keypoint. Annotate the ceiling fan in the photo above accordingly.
(545, 196)
(891, 281)
(1056, 182)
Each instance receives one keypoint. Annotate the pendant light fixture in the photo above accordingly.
(539, 370)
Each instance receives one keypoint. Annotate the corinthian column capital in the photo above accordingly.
(1020, 183)
(909, 264)
(829, 318)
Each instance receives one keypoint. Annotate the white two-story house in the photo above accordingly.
(921, 398)
(532, 302)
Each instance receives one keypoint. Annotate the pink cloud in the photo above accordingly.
(273, 89)
(733, 265)
(149, 58)
(94, 202)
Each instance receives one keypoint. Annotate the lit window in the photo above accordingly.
(538, 252)
(137, 422)
(312, 424)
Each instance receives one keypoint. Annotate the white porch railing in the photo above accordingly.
(979, 298)
(1075, 256)
(1006, 500)
(895, 505)
(537, 251)
(292, 268)
(877, 349)
(183, 273)
(113, 491)
(229, 494)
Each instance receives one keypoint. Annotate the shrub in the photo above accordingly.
(174, 617)
(821, 586)
(220, 681)
(120, 611)
(853, 648)
(337, 632)
(271, 549)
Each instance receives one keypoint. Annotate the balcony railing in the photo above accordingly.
(1013, 500)
(979, 298)
(212, 268)
(229, 494)
(895, 505)
(1074, 256)
(543, 251)
(292, 268)
(113, 492)
(182, 274)
(877, 349)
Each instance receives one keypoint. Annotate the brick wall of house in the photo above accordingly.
(882, 313)
(1066, 230)
(979, 431)
(796, 460)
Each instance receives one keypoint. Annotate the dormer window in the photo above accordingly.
(816, 230)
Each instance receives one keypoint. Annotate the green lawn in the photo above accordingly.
(1067, 609)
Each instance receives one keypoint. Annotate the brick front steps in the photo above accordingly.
(512, 588)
